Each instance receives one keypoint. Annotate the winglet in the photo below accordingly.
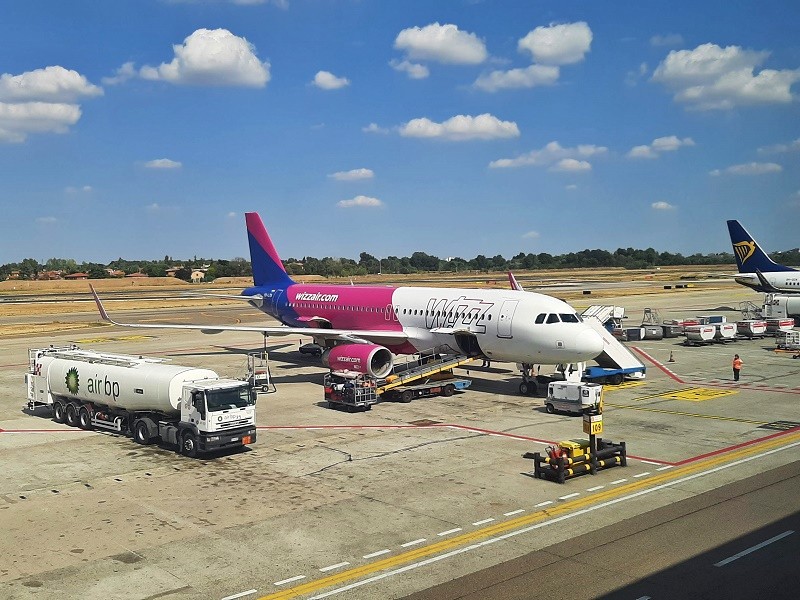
(100, 306)
(514, 283)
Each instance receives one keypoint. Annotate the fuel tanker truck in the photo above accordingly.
(192, 409)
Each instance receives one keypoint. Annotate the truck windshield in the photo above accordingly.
(229, 398)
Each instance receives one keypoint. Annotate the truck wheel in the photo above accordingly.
(523, 388)
(189, 445)
(58, 413)
(141, 433)
(448, 390)
(615, 379)
(550, 408)
(407, 396)
(71, 415)
(84, 419)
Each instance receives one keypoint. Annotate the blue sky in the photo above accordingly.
(145, 128)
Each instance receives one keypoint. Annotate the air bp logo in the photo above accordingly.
(72, 381)
(744, 250)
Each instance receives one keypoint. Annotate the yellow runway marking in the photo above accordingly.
(685, 414)
(698, 394)
(520, 522)
(623, 386)
(100, 340)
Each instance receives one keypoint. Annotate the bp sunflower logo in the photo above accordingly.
(72, 380)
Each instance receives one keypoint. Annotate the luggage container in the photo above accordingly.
(700, 334)
(774, 326)
(724, 332)
(752, 328)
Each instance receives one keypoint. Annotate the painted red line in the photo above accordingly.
(737, 446)
(658, 365)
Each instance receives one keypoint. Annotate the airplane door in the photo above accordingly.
(505, 318)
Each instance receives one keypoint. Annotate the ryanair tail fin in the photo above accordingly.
(267, 266)
(750, 258)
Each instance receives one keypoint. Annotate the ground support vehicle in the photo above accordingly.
(573, 397)
(612, 376)
(192, 409)
(350, 390)
(429, 387)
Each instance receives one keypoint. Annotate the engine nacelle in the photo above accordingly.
(370, 359)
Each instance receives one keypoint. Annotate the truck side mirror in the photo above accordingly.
(253, 396)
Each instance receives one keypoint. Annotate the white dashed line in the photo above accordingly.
(545, 503)
(290, 580)
(568, 496)
(413, 543)
(595, 488)
(489, 520)
(240, 595)
(641, 474)
(449, 531)
(618, 481)
(649, 462)
(752, 549)
(513, 512)
(664, 468)
(332, 567)
(378, 553)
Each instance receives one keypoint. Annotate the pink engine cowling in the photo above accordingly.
(371, 359)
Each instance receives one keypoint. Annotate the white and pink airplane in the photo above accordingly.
(361, 327)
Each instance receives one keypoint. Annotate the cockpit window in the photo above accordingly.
(552, 318)
(569, 318)
(540, 318)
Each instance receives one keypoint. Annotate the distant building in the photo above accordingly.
(76, 276)
(198, 275)
(14, 275)
(49, 275)
(172, 270)
(136, 275)
(115, 273)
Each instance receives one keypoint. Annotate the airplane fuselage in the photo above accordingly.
(785, 282)
(504, 325)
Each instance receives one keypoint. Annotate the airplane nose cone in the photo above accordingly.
(589, 344)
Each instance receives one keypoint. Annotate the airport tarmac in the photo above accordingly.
(384, 503)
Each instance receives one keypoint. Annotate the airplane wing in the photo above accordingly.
(352, 336)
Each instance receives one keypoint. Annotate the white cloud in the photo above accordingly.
(558, 44)
(441, 43)
(232, 215)
(528, 77)
(374, 128)
(325, 80)
(41, 101)
(19, 120)
(668, 143)
(163, 163)
(632, 77)
(121, 75)
(359, 202)
(714, 78)
(352, 175)
(212, 57)
(46, 220)
(752, 168)
(780, 148)
(661, 205)
(461, 128)
(571, 165)
(531, 235)
(571, 187)
(550, 154)
(413, 70)
(71, 190)
(670, 39)
(51, 84)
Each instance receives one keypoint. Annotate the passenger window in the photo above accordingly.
(552, 318)
(540, 318)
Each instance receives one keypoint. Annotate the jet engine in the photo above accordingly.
(370, 359)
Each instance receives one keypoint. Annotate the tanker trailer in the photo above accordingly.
(191, 409)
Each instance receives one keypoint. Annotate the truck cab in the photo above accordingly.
(216, 414)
